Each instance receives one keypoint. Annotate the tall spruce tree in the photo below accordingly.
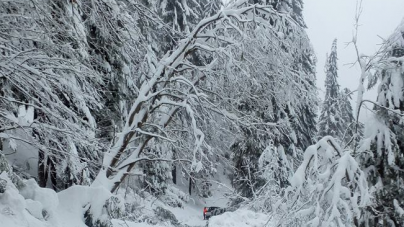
(382, 152)
(337, 119)
(330, 121)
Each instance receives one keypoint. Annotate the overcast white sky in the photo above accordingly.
(329, 19)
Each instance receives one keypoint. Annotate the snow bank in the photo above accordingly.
(76, 200)
(120, 223)
(15, 211)
(44, 196)
(33, 206)
(28, 205)
(240, 218)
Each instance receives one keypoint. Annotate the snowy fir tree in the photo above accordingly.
(337, 116)
(330, 120)
(382, 151)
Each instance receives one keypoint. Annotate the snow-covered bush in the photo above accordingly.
(328, 189)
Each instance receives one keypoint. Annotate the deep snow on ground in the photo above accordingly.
(23, 208)
(191, 215)
(240, 218)
(120, 223)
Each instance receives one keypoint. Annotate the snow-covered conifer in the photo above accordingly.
(382, 150)
(330, 121)
(353, 130)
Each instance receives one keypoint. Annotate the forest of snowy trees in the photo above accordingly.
(109, 106)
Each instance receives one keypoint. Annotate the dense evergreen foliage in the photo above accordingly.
(382, 151)
(330, 121)
(111, 102)
(294, 112)
(336, 118)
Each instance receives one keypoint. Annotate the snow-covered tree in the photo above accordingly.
(182, 16)
(353, 130)
(294, 7)
(176, 86)
(328, 189)
(275, 170)
(337, 117)
(330, 121)
(275, 98)
(157, 174)
(382, 150)
(49, 91)
(176, 19)
(246, 179)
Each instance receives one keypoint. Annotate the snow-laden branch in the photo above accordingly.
(238, 18)
(327, 189)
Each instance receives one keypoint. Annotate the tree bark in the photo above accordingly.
(174, 170)
(174, 173)
(190, 185)
(42, 172)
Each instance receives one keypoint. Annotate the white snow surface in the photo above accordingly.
(14, 210)
(25, 207)
(240, 218)
(120, 223)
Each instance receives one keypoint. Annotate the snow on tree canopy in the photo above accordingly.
(382, 150)
(336, 118)
(396, 41)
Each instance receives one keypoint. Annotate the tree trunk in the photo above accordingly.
(52, 171)
(174, 173)
(174, 169)
(190, 185)
(42, 172)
